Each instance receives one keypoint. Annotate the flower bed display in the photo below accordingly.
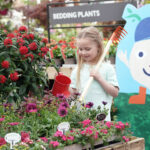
(38, 121)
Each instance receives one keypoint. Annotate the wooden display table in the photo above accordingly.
(134, 144)
(66, 70)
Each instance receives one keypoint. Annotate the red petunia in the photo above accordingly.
(33, 46)
(23, 28)
(8, 42)
(23, 50)
(2, 79)
(2, 141)
(14, 76)
(5, 64)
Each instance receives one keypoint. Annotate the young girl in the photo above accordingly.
(104, 86)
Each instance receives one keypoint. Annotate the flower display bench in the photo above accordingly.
(134, 144)
(66, 70)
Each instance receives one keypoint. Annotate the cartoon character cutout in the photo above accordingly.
(138, 61)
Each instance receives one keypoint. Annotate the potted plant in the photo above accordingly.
(56, 53)
(111, 56)
(70, 52)
(21, 58)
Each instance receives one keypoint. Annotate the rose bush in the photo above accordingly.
(37, 120)
(21, 71)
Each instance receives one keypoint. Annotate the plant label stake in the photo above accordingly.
(117, 35)
(63, 127)
(12, 139)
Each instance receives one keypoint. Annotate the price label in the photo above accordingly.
(101, 117)
(12, 139)
(63, 127)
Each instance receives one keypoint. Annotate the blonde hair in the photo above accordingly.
(93, 34)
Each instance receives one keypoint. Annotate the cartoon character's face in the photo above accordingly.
(139, 62)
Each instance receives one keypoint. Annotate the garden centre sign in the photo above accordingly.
(87, 13)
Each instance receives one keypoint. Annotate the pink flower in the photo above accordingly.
(31, 107)
(64, 138)
(64, 104)
(54, 143)
(104, 131)
(25, 137)
(120, 125)
(89, 105)
(96, 135)
(2, 141)
(58, 134)
(88, 131)
(13, 123)
(70, 138)
(125, 138)
(62, 111)
(86, 122)
(2, 119)
(108, 124)
(44, 139)
(82, 132)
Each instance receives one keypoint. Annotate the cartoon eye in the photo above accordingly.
(141, 54)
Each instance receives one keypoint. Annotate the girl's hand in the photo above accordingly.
(95, 74)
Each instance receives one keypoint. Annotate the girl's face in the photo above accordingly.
(88, 50)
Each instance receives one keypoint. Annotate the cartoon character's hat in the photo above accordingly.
(143, 30)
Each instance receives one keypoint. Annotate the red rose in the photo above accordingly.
(7, 42)
(2, 79)
(22, 28)
(14, 76)
(23, 50)
(2, 141)
(5, 64)
(33, 46)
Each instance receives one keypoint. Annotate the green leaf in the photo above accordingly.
(3, 53)
(22, 89)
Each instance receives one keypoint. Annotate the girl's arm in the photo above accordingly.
(109, 88)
